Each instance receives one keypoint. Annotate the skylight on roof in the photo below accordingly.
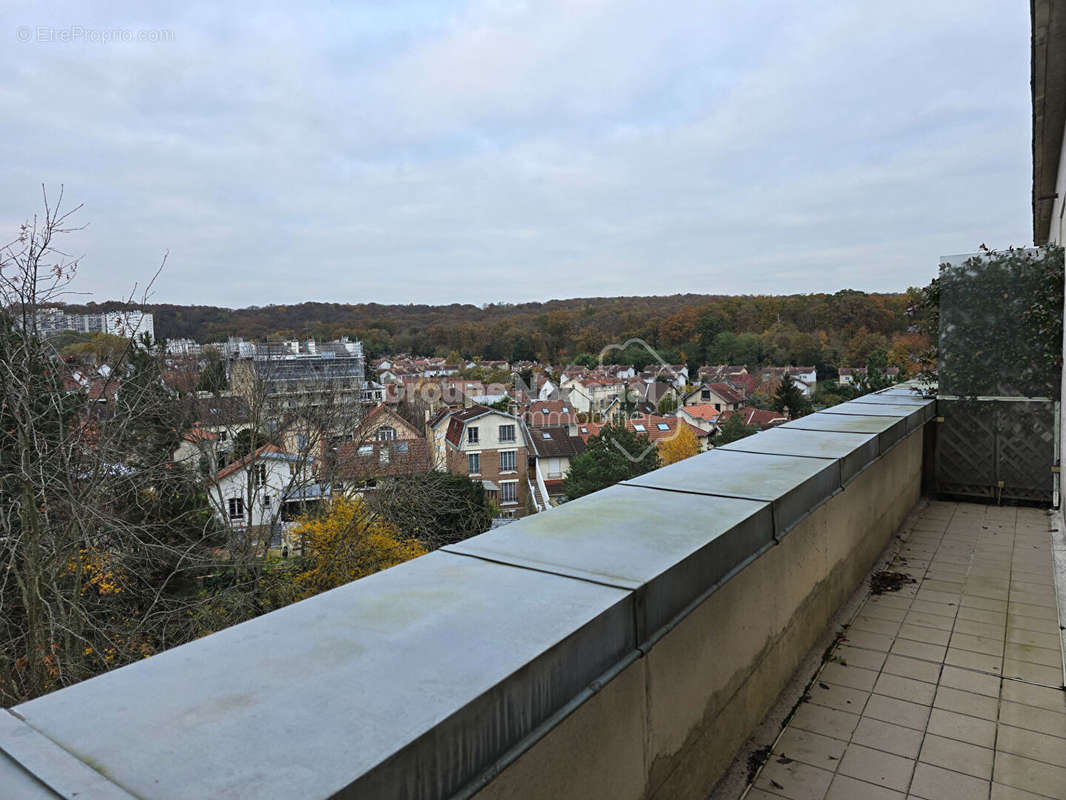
(545, 435)
(638, 427)
(662, 426)
(565, 409)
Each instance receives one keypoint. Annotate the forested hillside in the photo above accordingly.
(824, 329)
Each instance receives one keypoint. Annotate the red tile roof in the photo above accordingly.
(704, 411)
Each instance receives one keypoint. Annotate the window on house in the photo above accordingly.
(717, 406)
(236, 508)
(222, 436)
(386, 433)
(366, 449)
(705, 394)
(399, 447)
(545, 435)
(473, 463)
(507, 433)
(509, 492)
(260, 475)
(383, 455)
(266, 501)
(471, 435)
(638, 427)
(507, 460)
(662, 426)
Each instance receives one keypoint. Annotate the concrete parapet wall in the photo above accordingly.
(620, 646)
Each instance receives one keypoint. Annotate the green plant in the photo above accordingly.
(996, 323)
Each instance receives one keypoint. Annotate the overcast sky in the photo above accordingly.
(435, 152)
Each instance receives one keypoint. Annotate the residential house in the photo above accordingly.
(721, 396)
(848, 376)
(701, 415)
(487, 445)
(658, 429)
(265, 491)
(385, 445)
(550, 452)
(551, 414)
(592, 395)
(806, 378)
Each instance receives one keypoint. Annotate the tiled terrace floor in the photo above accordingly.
(949, 688)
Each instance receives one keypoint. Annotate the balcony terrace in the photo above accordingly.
(624, 645)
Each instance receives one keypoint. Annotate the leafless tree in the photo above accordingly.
(97, 531)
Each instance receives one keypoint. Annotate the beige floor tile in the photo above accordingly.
(970, 681)
(870, 641)
(970, 601)
(858, 657)
(898, 712)
(1027, 610)
(976, 705)
(1020, 622)
(1001, 792)
(1035, 588)
(920, 633)
(967, 659)
(895, 739)
(876, 767)
(1037, 746)
(881, 611)
(922, 650)
(1034, 655)
(1033, 776)
(850, 676)
(796, 780)
(841, 698)
(913, 691)
(1045, 599)
(1039, 696)
(941, 609)
(845, 788)
(977, 644)
(759, 794)
(1037, 673)
(994, 631)
(826, 721)
(1051, 641)
(888, 601)
(931, 596)
(947, 587)
(929, 620)
(935, 783)
(953, 725)
(810, 748)
(981, 615)
(1031, 718)
(959, 756)
(864, 622)
(927, 671)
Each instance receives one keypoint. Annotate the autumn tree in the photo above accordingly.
(615, 454)
(345, 542)
(681, 445)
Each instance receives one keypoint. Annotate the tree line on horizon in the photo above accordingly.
(825, 330)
